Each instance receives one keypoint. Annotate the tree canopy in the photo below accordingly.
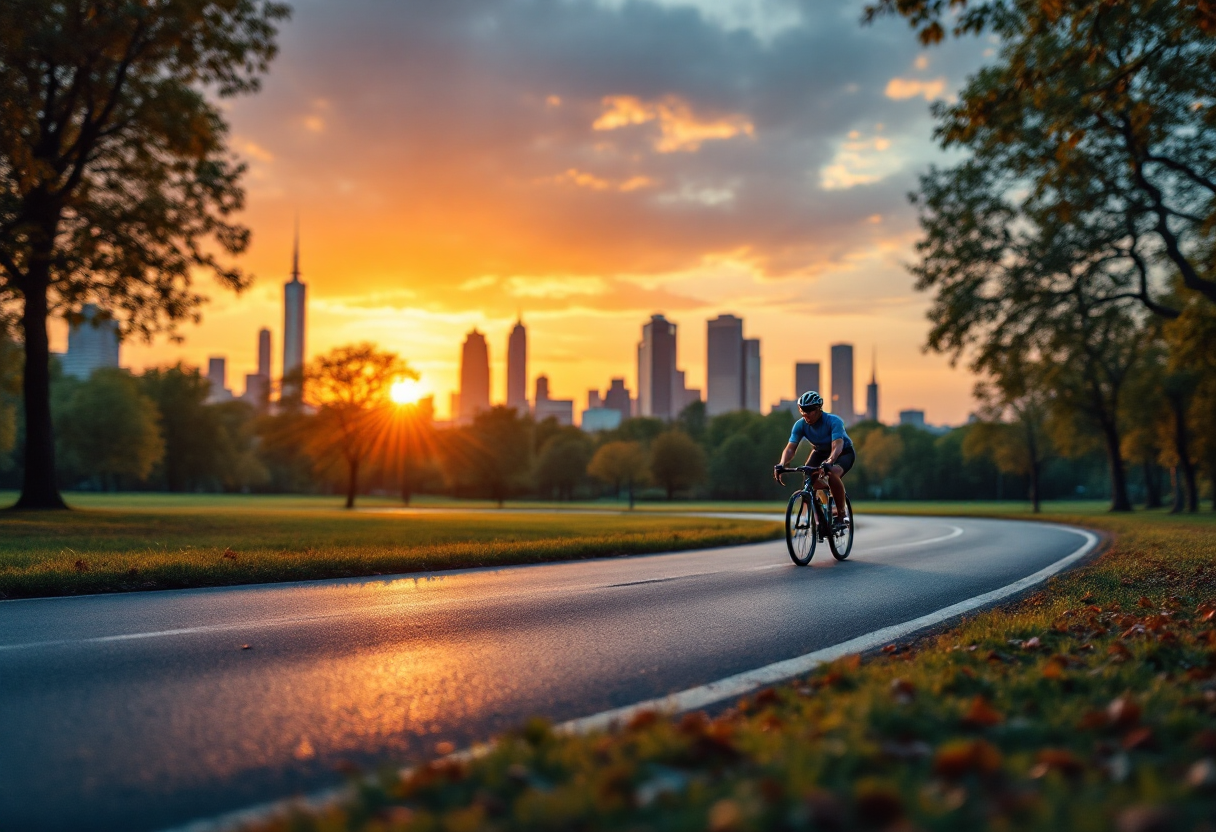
(116, 180)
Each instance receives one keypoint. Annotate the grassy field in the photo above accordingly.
(1090, 705)
(139, 542)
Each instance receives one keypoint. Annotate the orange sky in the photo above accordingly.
(587, 164)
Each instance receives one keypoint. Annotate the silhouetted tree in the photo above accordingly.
(562, 463)
(349, 387)
(116, 181)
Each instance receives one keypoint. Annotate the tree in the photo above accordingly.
(620, 463)
(677, 461)
(1102, 115)
(1012, 431)
(494, 454)
(1190, 386)
(1018, 292)
(738, 468)
(10, 391)
(881, 451)
(116, 182)
(109, 428)
(189, 427)
(349, 388)
(562, 463)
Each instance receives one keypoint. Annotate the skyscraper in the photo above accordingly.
(657, 368)
(842, 382)
(92, 344)
(517, 369)
(474, 377)
(806, 377)
(217, 374)
(264, 352)
(723, 365)
(547, 408)
(872, 392)
(294, 300)
(751, 374)
(617, 398)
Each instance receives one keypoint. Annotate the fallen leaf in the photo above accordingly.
(981, 714)
(1056, 759)
(1093, 720)
(246, 647)
(81, 566)
(1202, 774)
(958, 758)
(1144, 819)
(1032, 643)
(1123, 712)
(1138, 738)
(1054, 668)
(1144, 602)
(903, 691)
(725, 815)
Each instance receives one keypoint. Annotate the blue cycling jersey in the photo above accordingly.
(823, 433)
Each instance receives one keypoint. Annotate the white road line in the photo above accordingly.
(687, 700)
(738, 685)
(955, 532)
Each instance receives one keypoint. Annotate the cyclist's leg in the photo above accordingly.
(835, 481)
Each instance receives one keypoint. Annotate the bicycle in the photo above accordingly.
(808, 518)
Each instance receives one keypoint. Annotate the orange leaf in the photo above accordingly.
(1054, 668)
(981, 714)
(958, 758)
(1057, 759)
(1123, 712)
(1144, 602)
(1138, 738)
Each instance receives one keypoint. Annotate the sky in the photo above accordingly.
(585, 164)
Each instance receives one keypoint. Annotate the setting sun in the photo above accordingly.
(406, 391)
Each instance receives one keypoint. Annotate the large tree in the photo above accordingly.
(1101, 114)
(116, 182)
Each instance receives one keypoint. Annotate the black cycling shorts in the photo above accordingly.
(846, 459)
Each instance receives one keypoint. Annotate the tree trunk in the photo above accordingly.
(1119, 499)
(1152, 486)
(1034, 487)
(631, 495)
(1179, 501)
(352, 482)
(1183, 450)
(38, 489)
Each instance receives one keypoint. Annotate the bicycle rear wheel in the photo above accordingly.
(800, 537)
(841, 543)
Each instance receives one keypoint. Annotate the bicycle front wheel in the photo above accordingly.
(800, 537)
(841, 542)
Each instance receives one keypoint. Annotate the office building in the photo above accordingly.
(474, 377)
(723, 365)
(264, 352)
(806, 378)
(872, 393)
(732, 367)
(789, 406)
(294, 304)
(842, 383)
(92, 343)
(617, 398)
(600, 418)
(217, 374)
(545, 407)
(657, 395)
(751, 374)
(517, 368)
(915, 418)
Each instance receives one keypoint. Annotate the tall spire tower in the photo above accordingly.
(872, 389)
(517, 368)
(294, 301)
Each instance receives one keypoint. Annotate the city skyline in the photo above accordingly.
(784, 204)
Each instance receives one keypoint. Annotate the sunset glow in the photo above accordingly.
(406, 391)
(574, 175)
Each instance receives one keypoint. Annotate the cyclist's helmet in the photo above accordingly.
(810, 399)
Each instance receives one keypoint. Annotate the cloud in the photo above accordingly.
(679, 128)
(583, 179)
(903, 88)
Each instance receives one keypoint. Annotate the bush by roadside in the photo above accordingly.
(1089, 705)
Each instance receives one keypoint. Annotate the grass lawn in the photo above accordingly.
(137, 542)
(1090, 705)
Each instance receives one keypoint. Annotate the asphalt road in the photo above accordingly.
(144, 711)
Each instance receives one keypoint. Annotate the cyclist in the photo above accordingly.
(831, 448)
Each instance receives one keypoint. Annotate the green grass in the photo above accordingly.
(139, 542)
(1090, 705)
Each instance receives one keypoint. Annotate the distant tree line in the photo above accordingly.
(157, 431)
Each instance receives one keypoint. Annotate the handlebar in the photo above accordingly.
(802, 469)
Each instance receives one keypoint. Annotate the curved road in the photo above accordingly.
(144, 711)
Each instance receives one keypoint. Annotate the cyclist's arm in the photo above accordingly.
(837, 450)
(788, 453)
